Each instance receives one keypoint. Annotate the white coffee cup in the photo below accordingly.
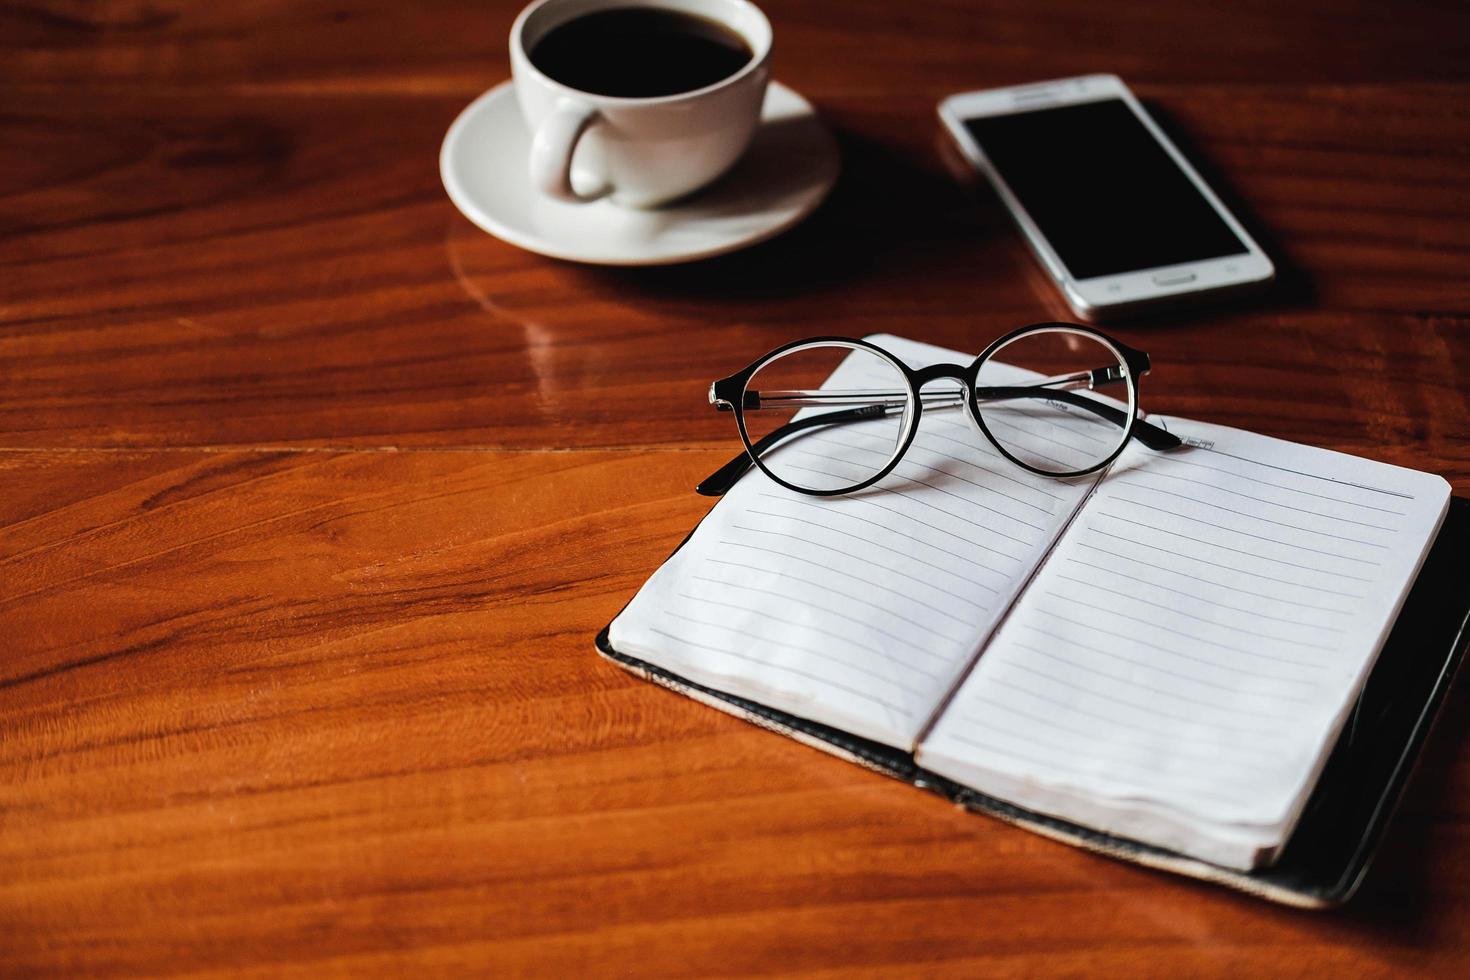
(640, 152)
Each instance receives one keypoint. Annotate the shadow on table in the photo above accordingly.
(1397, 896)
(887, 216)
(1292, 288)
(897, 215)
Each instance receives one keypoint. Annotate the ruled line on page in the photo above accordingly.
(897, 512)
(1199, 619)
(810, 603)
(1279, 486)
(1229, 568)
(1170, 651)
(1151, 623)
(1113, 552)
(775, 644)
(1254, 613)
(832, 634)
(842, 512)
(986, 507)
(920, 445)
(1007, 707)
(838, 571)
(915, 447)
(928, 504)
(1056, 704)
(1136, 684)
(1148, 708)
(785, 668)
(905, 579)
(1242, 513)
(1031, 434)
(1259, 537)
(990, 474)
(827, 587)
(975, 437)
(1209, 790)
(977, 722)
(1204, 607)
(1072, 642)
(1160, 470)
(1057, 423)
(1312, 476)
(977, 442)
(1133, 735)
(965, 500)
(1036, 452)
(893, 571)
(1238, 551)
(808, 522)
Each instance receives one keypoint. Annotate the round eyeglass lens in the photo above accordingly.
(1058, 401)
(826, 417)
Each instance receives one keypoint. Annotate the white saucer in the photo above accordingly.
(788, 170)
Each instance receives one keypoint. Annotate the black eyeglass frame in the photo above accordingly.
(729, 394)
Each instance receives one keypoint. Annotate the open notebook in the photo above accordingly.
(1165, 653)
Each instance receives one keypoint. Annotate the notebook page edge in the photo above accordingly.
(628, 636)
(940, 760)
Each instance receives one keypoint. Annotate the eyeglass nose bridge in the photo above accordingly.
(949, 372)
(936, 372)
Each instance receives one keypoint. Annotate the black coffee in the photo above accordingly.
(640, 52)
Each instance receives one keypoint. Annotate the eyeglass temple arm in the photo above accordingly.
(1057, 388)
(722, 479)
(1150, 435)
(1145, 432)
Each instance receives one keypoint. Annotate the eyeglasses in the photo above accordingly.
(1037, 395)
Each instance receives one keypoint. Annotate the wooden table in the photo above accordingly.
(314, 495)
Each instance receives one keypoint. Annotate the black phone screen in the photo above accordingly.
(1102, 190)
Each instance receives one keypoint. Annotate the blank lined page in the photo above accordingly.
(1182, 663)
(859, 611)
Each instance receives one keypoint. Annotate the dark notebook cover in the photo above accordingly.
(1346, 815)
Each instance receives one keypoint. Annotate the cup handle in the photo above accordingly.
(552, 147)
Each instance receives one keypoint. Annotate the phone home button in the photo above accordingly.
(1175, 279)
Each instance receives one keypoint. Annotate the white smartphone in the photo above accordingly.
(1112, 209)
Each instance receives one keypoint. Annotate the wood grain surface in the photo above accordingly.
(312, 496)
